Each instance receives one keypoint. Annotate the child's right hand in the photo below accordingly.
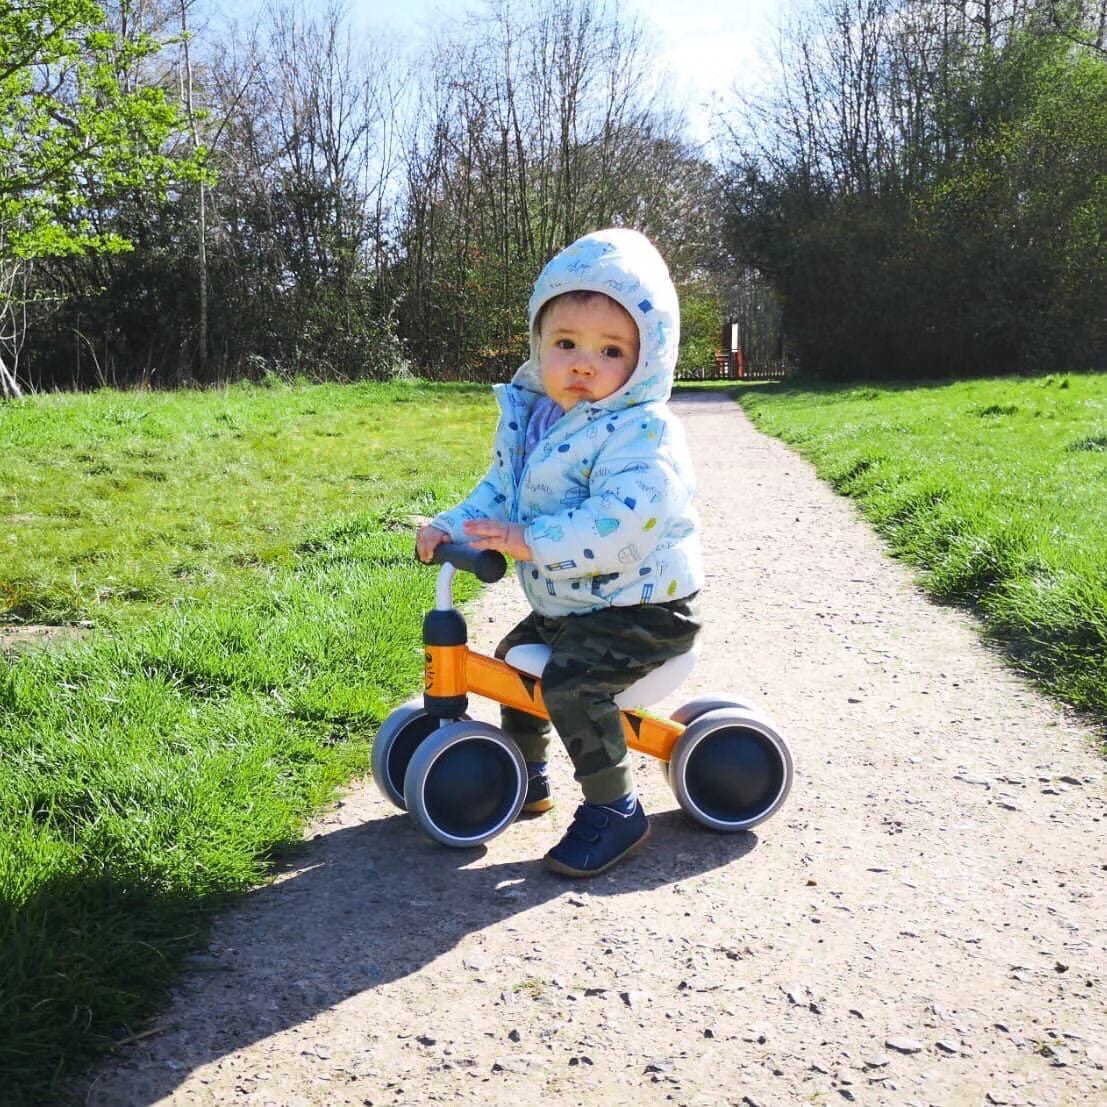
(427, 540)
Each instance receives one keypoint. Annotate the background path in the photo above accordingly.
(924, 922)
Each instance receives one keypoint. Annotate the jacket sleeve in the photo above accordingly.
(640, 485)
(487, 501)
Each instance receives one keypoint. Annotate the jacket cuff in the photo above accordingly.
(450, 523)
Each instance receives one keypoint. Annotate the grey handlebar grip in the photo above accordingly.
(485, 565)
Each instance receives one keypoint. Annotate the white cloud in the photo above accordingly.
(710, 47)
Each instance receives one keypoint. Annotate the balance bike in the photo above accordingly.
(463, 781)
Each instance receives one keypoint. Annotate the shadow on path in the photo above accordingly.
(355, 909)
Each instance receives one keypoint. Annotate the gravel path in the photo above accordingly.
(924, 922)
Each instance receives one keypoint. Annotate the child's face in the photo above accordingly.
(588, 349)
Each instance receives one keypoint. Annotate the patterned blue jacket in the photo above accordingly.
(606, 496)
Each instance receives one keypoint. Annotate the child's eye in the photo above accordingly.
(564, 343)
(613, 351)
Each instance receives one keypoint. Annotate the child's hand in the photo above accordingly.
(427, 539)
(487, 534)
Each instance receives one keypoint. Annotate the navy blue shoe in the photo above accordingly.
(597, 838)
(538, 799)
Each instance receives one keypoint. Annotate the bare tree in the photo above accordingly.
(201, 185)
(536, 124)
(300, 220)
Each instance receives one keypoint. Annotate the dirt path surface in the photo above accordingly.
(924, 922)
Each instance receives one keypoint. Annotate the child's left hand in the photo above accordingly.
(488, 534)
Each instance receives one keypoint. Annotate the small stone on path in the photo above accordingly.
(904, 1045)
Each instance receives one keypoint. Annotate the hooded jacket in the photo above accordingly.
(606, 495)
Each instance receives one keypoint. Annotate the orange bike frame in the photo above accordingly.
(457, 670)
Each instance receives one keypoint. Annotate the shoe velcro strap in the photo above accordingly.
(587, 821)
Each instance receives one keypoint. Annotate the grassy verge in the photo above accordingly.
(255, 612)
(116, 505)
(993, 489)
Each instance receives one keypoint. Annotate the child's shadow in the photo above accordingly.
(357, 908)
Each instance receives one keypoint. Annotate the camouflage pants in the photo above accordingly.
(595, 656)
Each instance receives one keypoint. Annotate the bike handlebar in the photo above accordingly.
(486, 565)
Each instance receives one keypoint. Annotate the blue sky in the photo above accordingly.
(711, 46)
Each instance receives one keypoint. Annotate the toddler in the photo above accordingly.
(590, 491)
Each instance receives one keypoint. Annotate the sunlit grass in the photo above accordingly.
(254, 613)
(113, 504)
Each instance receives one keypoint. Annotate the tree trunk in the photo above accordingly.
(201, 229)
(9, 386)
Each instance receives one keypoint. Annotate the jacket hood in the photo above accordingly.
(626, 266)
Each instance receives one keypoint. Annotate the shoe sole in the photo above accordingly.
(538, 807)
(562, 869)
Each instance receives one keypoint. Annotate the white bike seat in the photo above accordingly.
(532, 657)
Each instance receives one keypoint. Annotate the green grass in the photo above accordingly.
(114, 505)
(255, 612)
(993, 489)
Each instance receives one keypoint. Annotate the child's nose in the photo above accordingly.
(582, 364)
